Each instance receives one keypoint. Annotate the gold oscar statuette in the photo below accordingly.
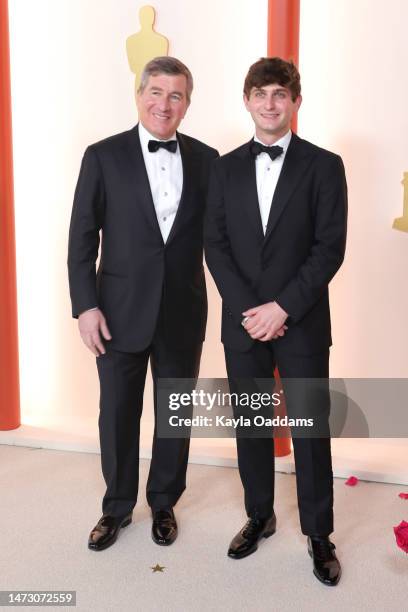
(145, 44)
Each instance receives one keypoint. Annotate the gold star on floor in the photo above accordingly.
(158, 568)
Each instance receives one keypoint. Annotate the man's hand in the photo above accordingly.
(266, 322)
(91, 323)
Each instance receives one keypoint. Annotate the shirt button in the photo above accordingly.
(163, 168)
(164, 218)
(268, 168)
(165, 193)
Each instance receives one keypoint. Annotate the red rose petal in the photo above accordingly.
(403, 495)
(352, 481)
(401, 535)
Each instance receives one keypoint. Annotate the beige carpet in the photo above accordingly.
(51, 499)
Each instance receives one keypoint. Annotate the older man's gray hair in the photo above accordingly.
(166, 65)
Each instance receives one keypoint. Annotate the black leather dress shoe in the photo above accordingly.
(326, 566)
(106, 531)
(164, 528)
(246, 541)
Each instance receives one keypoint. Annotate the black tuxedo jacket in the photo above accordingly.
(295, 260)
(138, 272)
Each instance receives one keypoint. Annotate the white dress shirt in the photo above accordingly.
(165, 173)
(267, 175)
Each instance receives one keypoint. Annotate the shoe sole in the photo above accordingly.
(265, 535)
(113, 540)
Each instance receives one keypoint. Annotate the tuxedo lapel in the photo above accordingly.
(191, 167)
(139, 179)
(295, 163)
(246, 189)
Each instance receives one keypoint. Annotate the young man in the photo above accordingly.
(145, 191)
(275, 237)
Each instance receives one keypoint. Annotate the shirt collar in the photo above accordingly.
(282, 142)
(145, 136)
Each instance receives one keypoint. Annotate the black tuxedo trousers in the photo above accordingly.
(122, 380)
(314, 476)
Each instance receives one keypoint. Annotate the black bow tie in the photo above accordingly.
(273, 152)
(169, 145)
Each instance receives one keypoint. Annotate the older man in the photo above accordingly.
(144, 190)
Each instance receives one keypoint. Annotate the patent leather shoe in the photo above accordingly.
(164, 527)
(326, 566)
(246, 541)
(106, 531)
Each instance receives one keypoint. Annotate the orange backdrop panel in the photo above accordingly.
(283, 41)
(9, 378)
(283, 32)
